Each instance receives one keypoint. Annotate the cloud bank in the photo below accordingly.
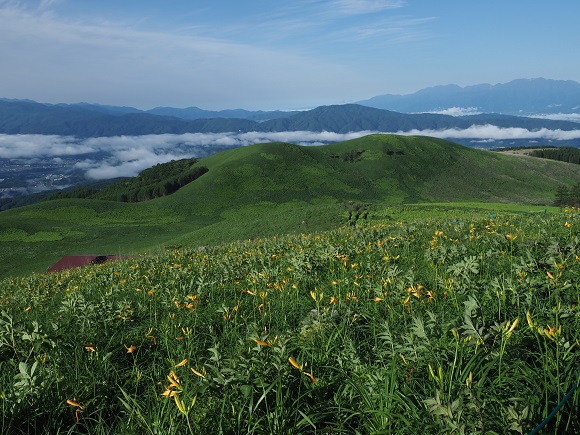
(124, 156)
(497, 133)
(574, 117)
(457, 111)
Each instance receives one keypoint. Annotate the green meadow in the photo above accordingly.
(279, 188)
(381, 285)
(458, 324)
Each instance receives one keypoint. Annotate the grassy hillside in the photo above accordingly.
(389, 168)
(427, 321)
(278, 188)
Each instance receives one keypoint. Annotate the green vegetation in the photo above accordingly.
(160, 180)
(296, 290)
(279, 188)
(562, 154)
(425, 320)
(568, 196)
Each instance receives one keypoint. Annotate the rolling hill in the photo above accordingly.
(275, 188)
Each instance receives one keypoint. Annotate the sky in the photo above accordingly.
(275, 54)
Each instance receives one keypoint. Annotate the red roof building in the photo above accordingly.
(70, 261)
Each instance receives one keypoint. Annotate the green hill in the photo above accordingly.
(277, 188)
(383, 168)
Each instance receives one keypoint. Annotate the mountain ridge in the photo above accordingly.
(37, 118)
(517, 97)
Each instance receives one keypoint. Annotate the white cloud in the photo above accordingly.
(457, 111)
(127, 168)
(575, 117)
(49, 58)
(39, 145)
(278, 55)
(497, 133)
(124, 156)
(46, 58)
(366, 6)
(387, 30)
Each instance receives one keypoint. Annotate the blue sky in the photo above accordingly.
(275, 54)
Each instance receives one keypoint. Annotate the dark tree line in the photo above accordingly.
(568, 196)
(160, 180)
(562, 154)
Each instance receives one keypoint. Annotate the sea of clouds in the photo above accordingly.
(124, 156)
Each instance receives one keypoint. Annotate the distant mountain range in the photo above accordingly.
(518, 97)
(85, 120)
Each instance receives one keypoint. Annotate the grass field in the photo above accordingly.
(382, 285)
(268, 189)
(416, 320)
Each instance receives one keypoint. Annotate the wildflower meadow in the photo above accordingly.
(466, 325)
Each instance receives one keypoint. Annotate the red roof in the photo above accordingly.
(70, 261)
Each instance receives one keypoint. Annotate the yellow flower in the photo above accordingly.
(432, 372)
(509, 329)
(151, 336)
(469, 380)
(74, 403)
(552, 332)
(169, 392)
(295, 364)
(261, 342)
(173, 380)
(312, 378)
(130, 349)
(182, 363)
(529, 319)
(197, 373)
(179, 404)
(430, 295)
(78, 407)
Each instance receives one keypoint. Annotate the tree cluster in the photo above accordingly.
(568, 196)
(562, 154)
(160, 180)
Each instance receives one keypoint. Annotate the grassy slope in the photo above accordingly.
(407, 327)
(277, 188)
